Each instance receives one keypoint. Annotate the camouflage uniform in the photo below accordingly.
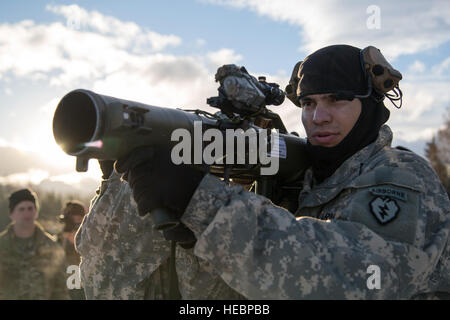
(382, 207)
(31, 268)
(122, 257)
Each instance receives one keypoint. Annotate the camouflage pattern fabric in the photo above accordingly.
(382, 207)
(122, 257)
(197, 279)
(31, 268)
(119, 249)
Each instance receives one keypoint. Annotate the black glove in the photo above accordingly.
(156, 182)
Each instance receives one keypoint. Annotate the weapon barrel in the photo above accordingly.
(89, 125)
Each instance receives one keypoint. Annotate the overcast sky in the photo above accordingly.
(166, 53)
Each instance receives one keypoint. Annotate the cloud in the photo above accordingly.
(161, 80)
(95, 56)
(419, 119)
(329, 22)
(403, 29)
(417, 67)
(95, 51)
(424, 102)
(16, 161)
(200, 42)
(102, 45)
(442, 68)
(23, 168)
(127, 34)
(32, 176)
(121, 59)
(223, 56)
(49, 107)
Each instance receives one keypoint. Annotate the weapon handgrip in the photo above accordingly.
(164, 219)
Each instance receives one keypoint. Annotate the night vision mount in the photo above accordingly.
(242, 96)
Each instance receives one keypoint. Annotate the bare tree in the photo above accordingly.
(438, 153)
(443, 141)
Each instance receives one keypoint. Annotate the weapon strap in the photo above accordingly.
(174, 292)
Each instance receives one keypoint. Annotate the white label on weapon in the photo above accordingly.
(279, 149)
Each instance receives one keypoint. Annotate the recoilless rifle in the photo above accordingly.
(89, 125)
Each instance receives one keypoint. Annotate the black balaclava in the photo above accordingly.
(337, 69)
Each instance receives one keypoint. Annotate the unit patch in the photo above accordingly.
(384, 209)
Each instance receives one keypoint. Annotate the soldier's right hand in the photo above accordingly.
(157, 182)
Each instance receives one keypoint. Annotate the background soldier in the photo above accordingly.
(363, 203)
(72, 216)
(32, 262)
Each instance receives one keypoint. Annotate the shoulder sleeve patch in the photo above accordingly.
(389, 211)
(387, 200)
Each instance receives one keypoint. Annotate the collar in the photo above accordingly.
(39, 232)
